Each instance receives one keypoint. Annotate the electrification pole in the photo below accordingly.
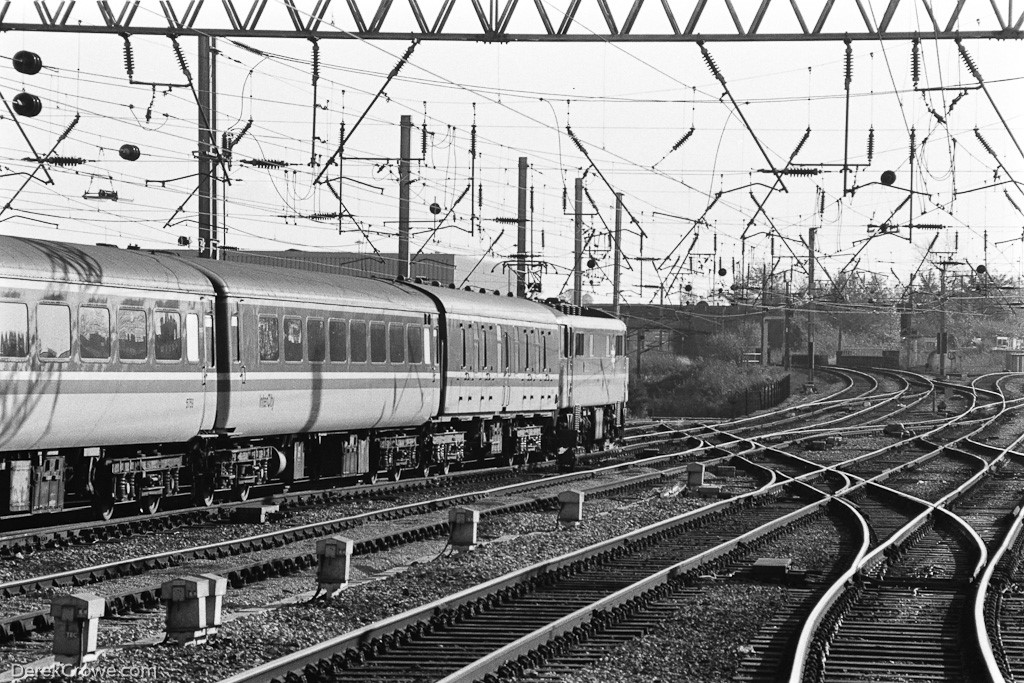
(810, 307)
(617, 267)
(521, 248)
(577, 266)
(404, 181)
(207, 92)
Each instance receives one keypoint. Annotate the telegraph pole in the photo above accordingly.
(404, 180)
(617, 267)
(577, 267)
(521, 248)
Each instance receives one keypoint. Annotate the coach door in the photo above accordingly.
(204, 339)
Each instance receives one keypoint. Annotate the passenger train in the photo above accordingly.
(131, 375)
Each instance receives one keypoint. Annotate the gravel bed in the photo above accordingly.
(50, 561)
(703, 640)
(523, 539)
(708, 635)
(934, 479)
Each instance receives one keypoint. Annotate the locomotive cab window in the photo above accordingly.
(132, 334)
(358, 349)
(269, 338)
(416, 344)
(293, 339)
(315, 340)
(93, 333)
(337, 333)
(396, 342)
(53, 327)
(192, 337)
(13, 330)
(168, 335)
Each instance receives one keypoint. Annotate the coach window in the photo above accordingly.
(508, 352)
(485, 340)
(566, 342)
(579, 349)
(526, 349)
(396, 342)
(132, 334)
(416, 354)
(358, 350)
(337, 340)
(53, 327)
(462, 332)
(618, 345)
(269, 338)
(93, 333)
(168, 335)
(293, 339)
(544, 349)
(211, 353)
(13, 330)
(315, 340)
(378, 342)
(192, 337)
(236, 335)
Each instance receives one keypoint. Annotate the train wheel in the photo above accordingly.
(370, 478)
(104, 506)
(395, 474)
(203, 497)
(203, 493)
(149, 504)
(242, 492)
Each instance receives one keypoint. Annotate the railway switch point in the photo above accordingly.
(214, 601)
(76, 620)
(694, 475)
(334, 564)
(186, 609)
(255, 514)
(464, 522)
(570, 508)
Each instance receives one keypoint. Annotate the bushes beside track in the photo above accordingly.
(709, 387)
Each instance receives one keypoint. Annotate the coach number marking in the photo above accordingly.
(267, 401)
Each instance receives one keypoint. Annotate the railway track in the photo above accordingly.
(826, 479)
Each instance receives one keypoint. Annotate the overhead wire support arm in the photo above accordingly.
(713, 67)
(195, 95)
(583, 150)
(387, 81)
(40, 161)
(977, 76)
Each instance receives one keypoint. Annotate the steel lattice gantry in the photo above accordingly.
(553, 20)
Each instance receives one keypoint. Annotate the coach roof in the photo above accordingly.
(44, 261)
(287, 284)
(473, 303)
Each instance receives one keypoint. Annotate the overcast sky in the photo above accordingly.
(628, 103)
